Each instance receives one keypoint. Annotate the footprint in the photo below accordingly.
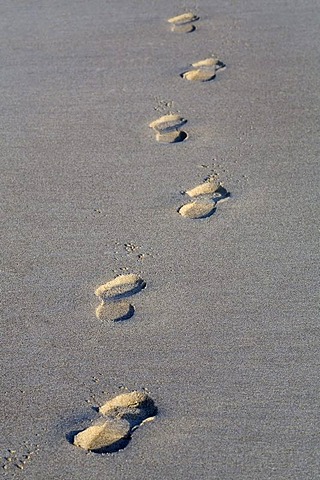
(204, 70)
(104, 436)
(121, 416)
(186, 28)
(113, 307)
(121, 286)
(167, 122)
(207, 62)
(183, 23)
(19, 458)
(210, 192)
(207, 188)
(168, 128)
(134, 407)
(197, 209)
(171, 137)
(115, 311)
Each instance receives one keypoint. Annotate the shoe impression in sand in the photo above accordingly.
(183, 23)
(168, 128)
(114, 305)
(204, 70)
(121, 416)
(205, 198)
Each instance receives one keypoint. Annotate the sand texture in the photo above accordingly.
(223, 343)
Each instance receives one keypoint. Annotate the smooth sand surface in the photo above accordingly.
(226, 335)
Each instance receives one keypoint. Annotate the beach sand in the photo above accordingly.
(225, 336)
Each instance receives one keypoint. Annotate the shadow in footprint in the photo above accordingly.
(121, 286)
(182, 136)
(70, 436)
(115, 447)
(187, 28)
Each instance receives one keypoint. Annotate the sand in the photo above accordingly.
(225, 336)
(206, 188)
(196, 210)
(204, 70)
(119, 418)
(168, 128)
(121, 286)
